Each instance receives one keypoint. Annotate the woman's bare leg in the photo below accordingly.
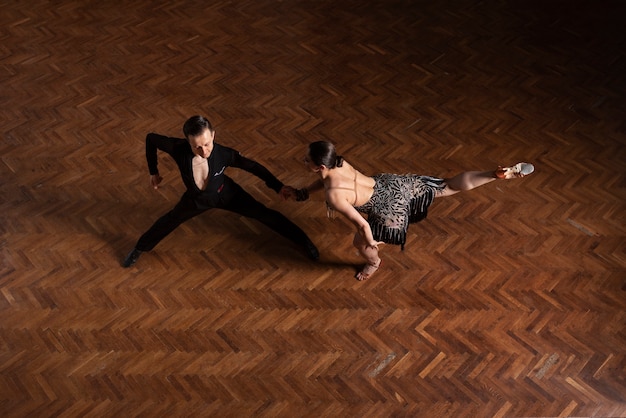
(471, 179)
(372, 260)
(466, 181)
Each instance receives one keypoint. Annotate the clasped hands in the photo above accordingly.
(291, 193)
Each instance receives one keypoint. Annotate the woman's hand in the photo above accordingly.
(374, 245)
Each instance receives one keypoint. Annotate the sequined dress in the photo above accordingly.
(397, 201)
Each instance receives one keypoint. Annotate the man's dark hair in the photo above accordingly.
(195, 125)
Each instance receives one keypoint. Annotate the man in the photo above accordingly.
(202, 163)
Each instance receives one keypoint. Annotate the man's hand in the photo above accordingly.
(287, 193)
(155, 180)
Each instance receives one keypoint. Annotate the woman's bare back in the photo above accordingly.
(347, 183)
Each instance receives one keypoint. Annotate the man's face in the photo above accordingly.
(202, 144)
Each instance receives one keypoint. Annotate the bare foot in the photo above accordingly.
(368, 270)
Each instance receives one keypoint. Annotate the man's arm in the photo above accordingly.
(155, 142)
(302, 194)
(258, 170)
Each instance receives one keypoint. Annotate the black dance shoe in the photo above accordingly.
(311, 250)
(131, 258)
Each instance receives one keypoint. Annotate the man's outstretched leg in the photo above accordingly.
(244, 204)
(183, 211)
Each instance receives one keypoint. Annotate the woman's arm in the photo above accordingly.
(316, 186)
(341, 205)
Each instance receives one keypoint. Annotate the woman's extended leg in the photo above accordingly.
(471, 179)
(466, 181)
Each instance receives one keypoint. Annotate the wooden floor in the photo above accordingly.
(509, 300)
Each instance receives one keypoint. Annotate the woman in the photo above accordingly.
(390, 201)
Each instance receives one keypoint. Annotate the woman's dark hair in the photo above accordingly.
(195, 125)
(324, 153)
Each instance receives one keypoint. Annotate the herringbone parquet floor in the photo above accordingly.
(509, 300)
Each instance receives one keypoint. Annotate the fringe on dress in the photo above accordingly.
(398, 201)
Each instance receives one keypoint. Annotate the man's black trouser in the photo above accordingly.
(235, 199)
